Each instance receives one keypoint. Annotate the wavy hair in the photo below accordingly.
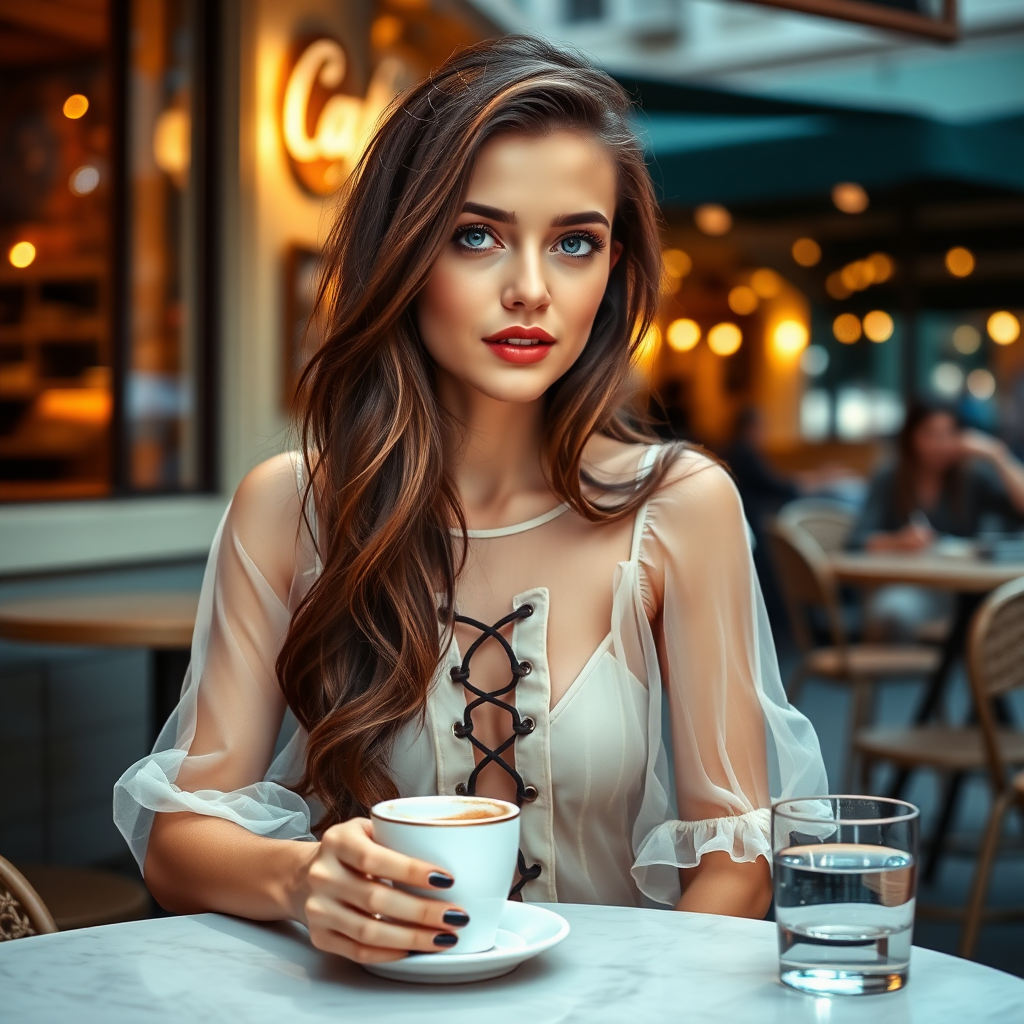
(365, 643)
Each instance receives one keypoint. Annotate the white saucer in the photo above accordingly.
(523, 932)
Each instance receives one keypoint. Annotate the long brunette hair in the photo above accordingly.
(919, 411)
(365, 643)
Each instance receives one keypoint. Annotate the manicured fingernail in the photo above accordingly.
(445, 939)
(456, 918)
(439, 880)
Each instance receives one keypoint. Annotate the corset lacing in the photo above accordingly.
(520, 726)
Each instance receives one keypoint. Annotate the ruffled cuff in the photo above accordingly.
(265, 808)
(682, 844)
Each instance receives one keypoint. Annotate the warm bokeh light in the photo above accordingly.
(724, 339)
(850, 197)
(683, 334)
(948, 379)
(172, 143)
(75, 106)
(648, 347)
(766, 283)
(790, 338)
(878, 325)
(882, 267)
(742, 300)
(21, 254)
(81, 405)
(712, 219)
(846, 328)
(967, 339)
(1003, 328)
(676, 262)
(806, 252)
(960, 261)
(84, 180)
(858, 275)
(385, 31)
(814, 360)
(835, 287)
(981, 384)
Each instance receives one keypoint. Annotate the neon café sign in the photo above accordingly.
(324, 122)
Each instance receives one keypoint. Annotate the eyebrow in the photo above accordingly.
(563, 221)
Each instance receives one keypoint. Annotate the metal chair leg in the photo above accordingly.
(976, 906)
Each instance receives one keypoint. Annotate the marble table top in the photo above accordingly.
(618, 965)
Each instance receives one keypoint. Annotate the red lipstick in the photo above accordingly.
(521, 345)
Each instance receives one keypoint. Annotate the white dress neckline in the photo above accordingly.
(530, 524)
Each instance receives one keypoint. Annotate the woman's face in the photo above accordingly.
(937, 442)
(509, 305)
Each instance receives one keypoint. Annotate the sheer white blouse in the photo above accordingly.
(660, 727)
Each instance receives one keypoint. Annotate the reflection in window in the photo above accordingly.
(56, 348)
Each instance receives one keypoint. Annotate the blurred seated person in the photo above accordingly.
(944, 480)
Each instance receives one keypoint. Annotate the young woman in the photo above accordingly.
(472, 514)
(944, 480)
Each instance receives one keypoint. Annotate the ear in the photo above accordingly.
(615, 254)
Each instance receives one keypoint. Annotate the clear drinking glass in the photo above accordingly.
(845, 875)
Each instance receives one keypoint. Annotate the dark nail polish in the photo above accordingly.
(445, 939)
(440, 881)
(456, 918)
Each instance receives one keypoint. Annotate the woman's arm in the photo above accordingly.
(973, 443)
(718, 885)
(211, 846)
(724, 694)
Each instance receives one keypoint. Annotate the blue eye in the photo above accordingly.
(474, 237)
(575, 245)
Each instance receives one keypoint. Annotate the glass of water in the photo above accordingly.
(845, 875)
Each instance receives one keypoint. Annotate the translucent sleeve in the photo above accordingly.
(736, 742)
(215, 755)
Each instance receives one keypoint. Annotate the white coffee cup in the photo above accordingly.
(474, 839)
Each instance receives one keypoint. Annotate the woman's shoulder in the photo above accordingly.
(266, 517)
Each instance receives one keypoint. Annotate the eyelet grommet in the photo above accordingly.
(528, 725)
(530, 793)
(525, 668)
(527, 609)
(461, 789)
(459, 729)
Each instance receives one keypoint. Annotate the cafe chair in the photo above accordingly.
(809, 589)
(995, 666)
(40, 898)
(828, 522)
(22, 911)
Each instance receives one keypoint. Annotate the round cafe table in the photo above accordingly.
(618, 964)
(969, 575)
(159, 621)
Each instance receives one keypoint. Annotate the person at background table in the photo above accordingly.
(944, 481)
(469, 458)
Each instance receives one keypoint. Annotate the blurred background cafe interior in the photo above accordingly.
(842, 187)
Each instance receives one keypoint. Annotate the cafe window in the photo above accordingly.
(106, 285)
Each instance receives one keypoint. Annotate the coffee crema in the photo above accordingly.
(474, 814)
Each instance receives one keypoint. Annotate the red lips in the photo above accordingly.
(521, 354)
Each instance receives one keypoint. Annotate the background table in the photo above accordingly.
(941, 572)
(162, 622)
(617, 965)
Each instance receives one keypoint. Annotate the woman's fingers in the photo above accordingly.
(328, 915)
(352, 843)
(373, 897)
(334, 942)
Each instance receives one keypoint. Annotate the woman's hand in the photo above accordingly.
(351, 910)
(975, 444)
(912, 537)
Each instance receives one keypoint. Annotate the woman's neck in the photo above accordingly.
(497, 460)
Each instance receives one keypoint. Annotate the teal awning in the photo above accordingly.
(715, 146)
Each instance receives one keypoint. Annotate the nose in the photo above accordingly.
(527, 288)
